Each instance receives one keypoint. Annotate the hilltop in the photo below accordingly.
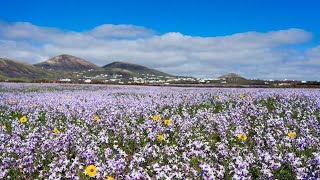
(231, 77)
(132, 69)
(65, 62)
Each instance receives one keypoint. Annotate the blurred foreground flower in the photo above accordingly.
(56, 131)
(91, 170)
(156, 117)
(161, 137)
(242, 136)
(167, 122)
(96, 118)
(23, 119)
(292, 134)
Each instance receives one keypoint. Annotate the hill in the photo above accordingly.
(231, 77)
(71, 67)
(11, 69)
(65, 63)
(129, 69)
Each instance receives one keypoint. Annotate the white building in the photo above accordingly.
(65, 80)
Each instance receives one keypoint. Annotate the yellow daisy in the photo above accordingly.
(56, 131)
(242, 136)
(156, 117)
(96, 118)
(167, 122)
(292, 134)
(23, 119)
(91, 170)
(161, 137)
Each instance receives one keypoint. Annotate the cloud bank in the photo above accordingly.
(269, 55)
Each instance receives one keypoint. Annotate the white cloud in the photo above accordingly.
(120, 31)
(252, 54)
(314, 53)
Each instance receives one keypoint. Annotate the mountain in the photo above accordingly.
(10, 69)
(128, 69)
(71, 67)
(65, 62)
(231, 76)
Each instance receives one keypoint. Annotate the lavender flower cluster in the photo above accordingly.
(134, 132)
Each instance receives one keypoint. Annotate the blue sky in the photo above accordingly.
(158, 21)
(199, 18)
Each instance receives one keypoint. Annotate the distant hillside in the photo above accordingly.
(13, 69)
(67, 66)
(65, 63)
(232, 77)
(129, 69)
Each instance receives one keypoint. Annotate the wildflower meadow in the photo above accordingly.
(50, 131)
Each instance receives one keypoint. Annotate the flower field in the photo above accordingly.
(134, 132)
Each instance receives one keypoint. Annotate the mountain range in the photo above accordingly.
(68, 66)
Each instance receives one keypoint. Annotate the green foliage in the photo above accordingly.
(42, 117)
(180, 110)
(285, 172)
(8, 126)
(218, 107)
(141, 119)
(269, 104)
(255, 172)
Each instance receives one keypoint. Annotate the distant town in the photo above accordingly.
(149, 79)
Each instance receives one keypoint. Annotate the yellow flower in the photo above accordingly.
(35, 105)
(219, 97)
(96, 118)
(23, 119)
(275, 97)
(110, 178)
(242, 96)
(56, 131)
(211, 117)
(156, 117)
(242, 136)
(59, 108)
(91, 170)
(161, 137)
(167, 122)
(251, 99)
(292, 134)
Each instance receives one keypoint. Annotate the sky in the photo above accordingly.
(254, 38)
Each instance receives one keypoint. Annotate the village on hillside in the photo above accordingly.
(151, 79)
